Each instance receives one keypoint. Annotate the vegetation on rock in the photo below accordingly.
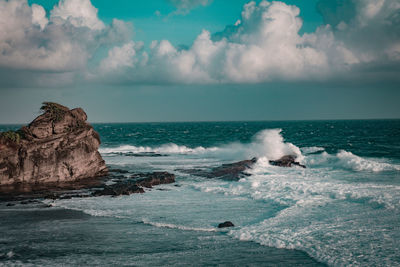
(13, 136)
(56, 111)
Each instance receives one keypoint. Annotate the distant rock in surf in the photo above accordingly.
(226, 224)
(286, 161)
(58, 146)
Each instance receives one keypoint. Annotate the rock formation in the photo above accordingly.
(226, 224)
(235, 171)
(135, 184)
(230, 171)
(58, 146)
(286, 161)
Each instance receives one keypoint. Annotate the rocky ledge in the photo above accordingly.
(113, 185)
(58, 146)
(135, 184)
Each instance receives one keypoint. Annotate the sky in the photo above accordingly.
(201, 60)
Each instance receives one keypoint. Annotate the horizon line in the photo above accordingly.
(208, 121)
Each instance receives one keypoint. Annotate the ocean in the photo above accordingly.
(342, 210)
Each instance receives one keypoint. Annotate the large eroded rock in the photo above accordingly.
(58, 146)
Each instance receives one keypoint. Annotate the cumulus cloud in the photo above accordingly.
(80, 13)
(371, 28)
(63, 43)
(120, 57)
(263, 45)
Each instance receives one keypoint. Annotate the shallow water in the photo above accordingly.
(342, 210)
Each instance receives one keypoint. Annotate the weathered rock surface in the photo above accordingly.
(226, 224)
(286, 161)
(135, 184)
(58, 146)
(149, 180)
(232, 171)
(121, 185)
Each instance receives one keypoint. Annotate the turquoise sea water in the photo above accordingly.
(343, 210)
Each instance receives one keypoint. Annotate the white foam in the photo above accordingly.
(348, 161)
(332, 220)
(164, 149)
(354, 162)
(180, 227)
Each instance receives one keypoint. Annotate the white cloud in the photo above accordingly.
(29, 41)
(80, 13)
(266, 45)
(39, 16)
(263, 45)
(120, 57)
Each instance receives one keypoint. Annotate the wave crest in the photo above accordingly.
(268, 143)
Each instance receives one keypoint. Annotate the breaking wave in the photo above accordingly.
(347, 160)
(267, 143)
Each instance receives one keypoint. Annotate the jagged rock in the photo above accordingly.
(286, 161)
(148, 180)
(118, 189)
(58, 146)
(232, 171)
(136, 184)
(226, 224)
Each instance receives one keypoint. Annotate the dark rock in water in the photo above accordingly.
(148, 180)
(135, 185)
(226, 224)
(286, 161)
(10, 204)
(118, 189)
(58, 146)
(232, 171)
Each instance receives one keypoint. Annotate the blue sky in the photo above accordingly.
(201, 60)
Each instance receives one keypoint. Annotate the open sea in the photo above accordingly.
(342, 210)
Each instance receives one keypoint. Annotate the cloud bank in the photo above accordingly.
(359, 39)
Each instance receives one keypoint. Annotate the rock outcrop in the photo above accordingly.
(135, 184)
(226, 224)
(230, 171)
(235, 171)
(58, 146)
(286, 161)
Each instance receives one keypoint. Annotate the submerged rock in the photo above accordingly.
(58, 146)
(286, 161)
(226, 224)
